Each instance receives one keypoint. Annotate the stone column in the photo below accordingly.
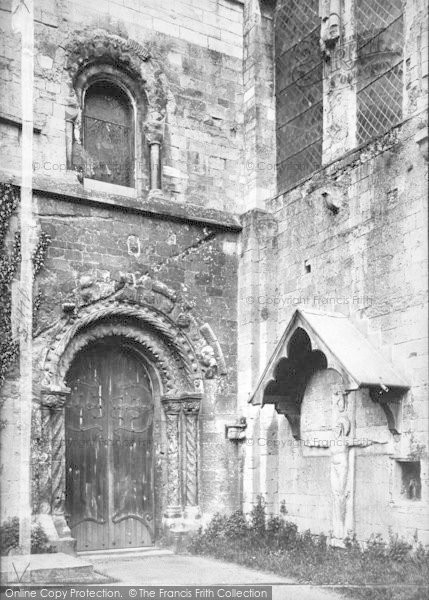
(191, 408)
(155, 165)
(54, 402)
(172, 411)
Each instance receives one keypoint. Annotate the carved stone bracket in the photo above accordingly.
(389, 400)
(54, 399)
(293, 415)
(330, 13)
(421, 138)
(237, 431)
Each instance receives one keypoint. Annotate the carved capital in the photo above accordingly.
(54, 399)
(172, 406)
(191, 406)
(189, 403)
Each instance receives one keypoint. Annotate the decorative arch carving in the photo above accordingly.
(165, 361)
(90, 52)
(179, 350)
(94, 56)
(166, 343)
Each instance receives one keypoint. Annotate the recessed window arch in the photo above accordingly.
(108, 122)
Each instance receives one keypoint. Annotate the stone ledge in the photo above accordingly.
(397, 135)
(8, 119)
(48, 568)
(156, 206)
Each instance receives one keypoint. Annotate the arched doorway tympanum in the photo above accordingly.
(109, 447)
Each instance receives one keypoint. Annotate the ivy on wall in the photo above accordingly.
(9, 263)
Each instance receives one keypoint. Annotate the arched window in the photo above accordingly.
(108, 134)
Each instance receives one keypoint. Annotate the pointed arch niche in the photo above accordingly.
(314, 341)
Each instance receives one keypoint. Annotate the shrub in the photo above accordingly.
(9, 535)
(274, 544)
(9, 538)
(258, 517)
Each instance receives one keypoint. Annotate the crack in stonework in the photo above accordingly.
(209, 235)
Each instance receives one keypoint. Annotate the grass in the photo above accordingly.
(383, 570)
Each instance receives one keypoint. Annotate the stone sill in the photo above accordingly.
(17, 122)
(349, 157)
(156, 205)
(96, 186)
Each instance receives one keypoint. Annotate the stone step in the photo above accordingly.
(48, 568)
(100, 555)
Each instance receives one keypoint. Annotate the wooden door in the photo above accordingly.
(109, 466)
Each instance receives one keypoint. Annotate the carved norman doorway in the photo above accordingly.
(109, 447)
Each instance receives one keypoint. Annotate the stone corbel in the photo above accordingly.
(293, 419)
(330, 31)
(421, 138)
(333, 198)
(237, 431)
(291, 409)
(54, 399)
(389, 400)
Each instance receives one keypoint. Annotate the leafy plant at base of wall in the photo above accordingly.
(9, 538)
(377, 570)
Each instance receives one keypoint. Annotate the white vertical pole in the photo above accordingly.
(23, 21)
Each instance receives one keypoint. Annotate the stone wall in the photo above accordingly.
(179, 247)
(96, 251)
(351, 238)
(198, 49)
(368, 261)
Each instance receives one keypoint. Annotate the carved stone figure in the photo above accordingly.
(339, 480)
(340, 464)
(208, 360)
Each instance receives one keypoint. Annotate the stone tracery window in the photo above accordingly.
(108, 134)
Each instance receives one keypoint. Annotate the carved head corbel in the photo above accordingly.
(54, 398)
(330, 29)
